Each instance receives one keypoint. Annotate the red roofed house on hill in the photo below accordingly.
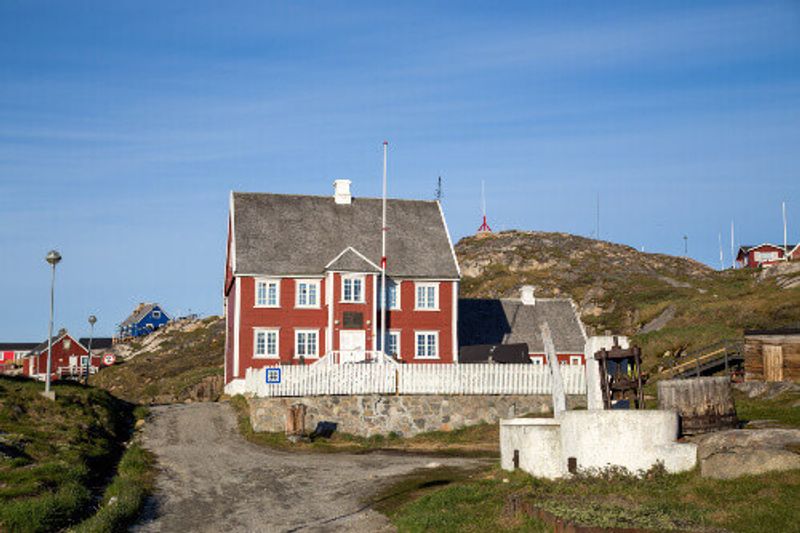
(302, 280)
(765, 254)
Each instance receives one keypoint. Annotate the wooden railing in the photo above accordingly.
(456, 379)
(724, 352)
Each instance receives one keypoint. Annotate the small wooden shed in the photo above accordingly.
(772, 355)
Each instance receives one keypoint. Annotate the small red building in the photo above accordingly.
(69, 358)
(764, 254)
(302, 281)
(794, 253)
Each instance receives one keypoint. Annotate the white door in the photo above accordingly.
(73, 361)
(352, 345)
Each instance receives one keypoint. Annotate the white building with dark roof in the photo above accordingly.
(514, 321)
(303, 280)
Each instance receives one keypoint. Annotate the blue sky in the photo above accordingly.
(124, 125)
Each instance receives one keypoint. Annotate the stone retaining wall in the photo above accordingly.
(405, 415)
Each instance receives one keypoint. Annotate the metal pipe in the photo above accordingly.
(50, 331)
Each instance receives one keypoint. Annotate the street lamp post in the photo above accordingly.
(53, 257)
(92, 320)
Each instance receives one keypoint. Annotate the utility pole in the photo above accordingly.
(721, 258)
(685, 246)
(597, 222)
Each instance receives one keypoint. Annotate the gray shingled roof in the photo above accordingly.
(139, 313)
(511, 322)
(350, 261)
(278, 234)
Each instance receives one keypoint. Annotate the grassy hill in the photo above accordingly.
(667, 303)
(54, 455)
(181, 361)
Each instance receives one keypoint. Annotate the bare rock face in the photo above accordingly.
(742, 452)
(786, 275)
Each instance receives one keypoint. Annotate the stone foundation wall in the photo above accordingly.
(405, 415)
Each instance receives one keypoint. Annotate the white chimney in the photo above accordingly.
(526, 294)
(341, 191)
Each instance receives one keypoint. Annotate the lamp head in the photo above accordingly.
(53, 257)
(92, 319)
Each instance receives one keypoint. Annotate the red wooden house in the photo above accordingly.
(765, 254)
(69, 358)
(302, 281)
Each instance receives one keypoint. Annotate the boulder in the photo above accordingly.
(742, 452)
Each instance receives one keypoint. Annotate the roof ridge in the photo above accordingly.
(355, 197)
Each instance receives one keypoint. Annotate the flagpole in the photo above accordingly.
(383, 254)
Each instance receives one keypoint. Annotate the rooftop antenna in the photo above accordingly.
(721, 257)
(439, 191)
(485, 226)
(383, 253)
(733, 249)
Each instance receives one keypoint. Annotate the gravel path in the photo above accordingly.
(211, 479)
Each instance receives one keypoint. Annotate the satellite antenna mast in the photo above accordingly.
(439, 191)
(485, 226)
(733, 249)
(785, 246)
(685, 246)
(721, 257)
(383, 254)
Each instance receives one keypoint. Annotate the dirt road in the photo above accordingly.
(211, 479)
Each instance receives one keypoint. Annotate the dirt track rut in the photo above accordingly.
(211, 479)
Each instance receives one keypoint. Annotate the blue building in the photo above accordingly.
(145, 319)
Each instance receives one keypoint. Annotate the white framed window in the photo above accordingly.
(84, 360)
(427, 344)
(156, 314)
(538, 361)
(392, 295)
(268, 293)
(563, 362)
(353, 289)
(306, 343)
(427, 296)
(266, 343)
(575, 360)
(307, 293)
(393, 343)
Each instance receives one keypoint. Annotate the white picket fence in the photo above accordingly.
(345, 379)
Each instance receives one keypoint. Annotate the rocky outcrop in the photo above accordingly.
(785, 275)
(743, 452)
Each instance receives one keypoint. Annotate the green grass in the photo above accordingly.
(55, 452)
(448, 500)
(781, 408)
(480, 440)
(126, 495)
(661, 502)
